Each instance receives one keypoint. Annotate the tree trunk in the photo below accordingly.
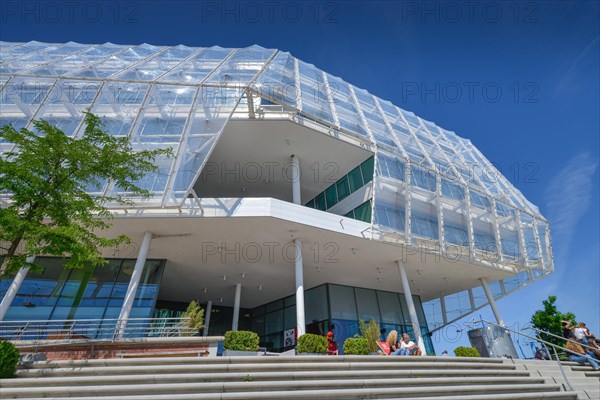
(12, 250)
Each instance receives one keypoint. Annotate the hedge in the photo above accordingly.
(9, 357)
(356, 346)
(311, 343)
(466, 352)
(241, 340)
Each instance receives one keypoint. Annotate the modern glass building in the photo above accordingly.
(293, 200)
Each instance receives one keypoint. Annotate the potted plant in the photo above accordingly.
(196, 319)
(358, 346)
(466, 352)
(240, 343)
(311, 344)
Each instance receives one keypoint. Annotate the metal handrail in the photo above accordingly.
(560, 337)
(93, 329)
(554, 346)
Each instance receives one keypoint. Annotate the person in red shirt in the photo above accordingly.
(332, 349)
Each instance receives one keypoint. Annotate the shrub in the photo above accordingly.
(311, 343)
(466, 352)
(196, 318)
(9, 357)
(370, 331)
(240, 340)
(356, 346)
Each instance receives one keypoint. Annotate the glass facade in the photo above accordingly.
(89, 293)
(429, 184)
(340, 308)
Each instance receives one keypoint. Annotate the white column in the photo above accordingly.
(296, 180)
(492, 301)
(412, 312)
(207, 317)
(300, 319)
(134, 282)
(236, 307)
(10, 294)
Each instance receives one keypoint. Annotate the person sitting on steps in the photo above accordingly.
(407, 347)
(392, 341)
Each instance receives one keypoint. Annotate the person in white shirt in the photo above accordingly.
(581, 333)
(406, 345)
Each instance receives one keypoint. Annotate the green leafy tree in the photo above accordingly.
(371, 332)
(549, 320)
(44, 182)
(196, 318)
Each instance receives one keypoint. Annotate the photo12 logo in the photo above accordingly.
(69, 12)
(470, 12)
(470, 92)
(270, 12)
(268, 252)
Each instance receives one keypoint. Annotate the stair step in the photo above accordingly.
(588, 394)
(458, 392)
(239, 376)
(300, 385)
(315, 366)
(259, 359)
(503, 396)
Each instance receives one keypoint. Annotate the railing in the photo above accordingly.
(545, 344)
(93, 329)
(539, 331)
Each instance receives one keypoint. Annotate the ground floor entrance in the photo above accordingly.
(55, 293)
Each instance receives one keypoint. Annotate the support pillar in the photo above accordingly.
(300, 319)
(296, 180)
(10, 294)
(412, 312)
(207, 317)
(236, 307)
(492, 301)
(134, 283)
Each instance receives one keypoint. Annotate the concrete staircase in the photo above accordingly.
(584, 381)
(301, 377)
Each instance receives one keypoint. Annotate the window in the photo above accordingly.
(342, 302)
(331, 196)
(456, 235)
(390, 167)
(480, 201)
(423, 226)
(366, 301)
(343, 189)
(363, 212)
(355, 179)
(320, 202)
(422, 178)
(452, 190)
(485, 242)
(367, 169)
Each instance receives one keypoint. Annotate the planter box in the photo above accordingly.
(240, 353)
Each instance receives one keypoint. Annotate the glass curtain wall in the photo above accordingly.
(338, 308)
(89, 293)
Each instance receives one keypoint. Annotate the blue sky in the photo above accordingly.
(519, 79)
